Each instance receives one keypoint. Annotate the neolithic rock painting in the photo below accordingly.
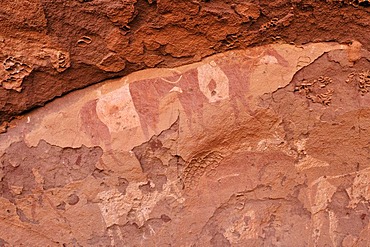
(185, 85)
(213, 82)
(261, 147)
(111, 113)
(92, 125)
(210, 83)
(116, 110)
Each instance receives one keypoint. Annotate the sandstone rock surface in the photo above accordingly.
(266, 146)
(49, 48)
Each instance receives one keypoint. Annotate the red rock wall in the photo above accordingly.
(264, 145)
(53, 43)
(258, 147)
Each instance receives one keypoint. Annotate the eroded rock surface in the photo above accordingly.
(266, 146)
(48, 48)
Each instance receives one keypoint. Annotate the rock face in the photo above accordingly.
(45, 46)
(266, 146)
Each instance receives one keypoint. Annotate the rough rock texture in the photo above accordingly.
(266, 146)
(46, 46)
(216, 123)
